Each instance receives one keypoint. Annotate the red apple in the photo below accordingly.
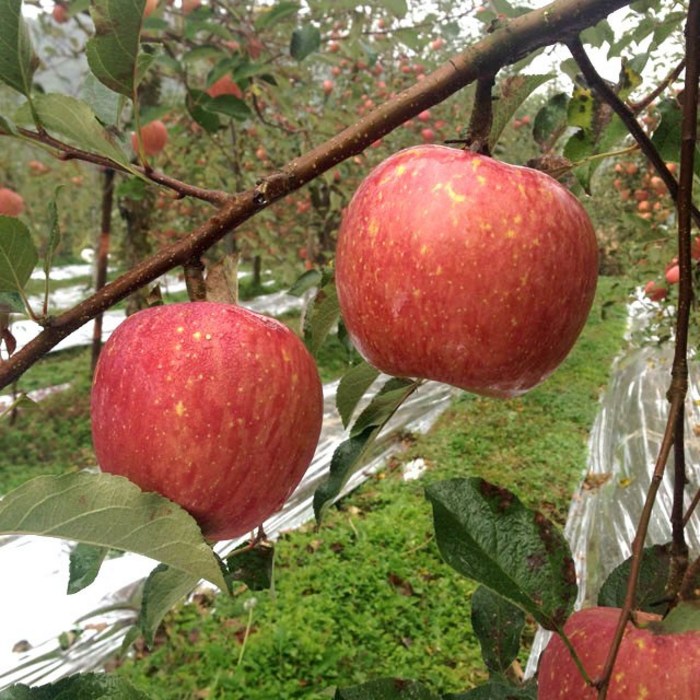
(11, 203)
(225, 86)
(427, 134)
(327, 87)
(654, 291)
(150, 7)
(455, 267)
(154, 137)
(190, 6)
(650, 666)
(60, 13)
(673, 274)
(211, 405)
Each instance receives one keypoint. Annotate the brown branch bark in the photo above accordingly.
(517, 38)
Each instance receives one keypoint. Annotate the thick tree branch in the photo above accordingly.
(519, 37)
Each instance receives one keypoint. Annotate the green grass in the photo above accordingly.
(367, 595)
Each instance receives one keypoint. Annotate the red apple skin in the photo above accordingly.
(211, 405)
(225, 86)
(454, 267)
(11, 203)
(648, 667)
(154, 137)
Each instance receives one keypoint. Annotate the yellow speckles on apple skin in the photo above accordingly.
(180, 409)
(197, 335)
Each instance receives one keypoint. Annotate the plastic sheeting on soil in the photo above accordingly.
(36, 610)
(623, 447)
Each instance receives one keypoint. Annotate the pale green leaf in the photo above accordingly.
(17, 58)
(112, 52)
(268, 16)
(76, 123)
(110, 511)
(84, 565)
(106, 103)
(398, 8)
(18, 254)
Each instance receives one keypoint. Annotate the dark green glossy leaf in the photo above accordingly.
(386, 689)
(498, 624)
(352, 388)
(252, 565)
(550, 121)
(305, 40)
(17, 58)
(82, 686)
(113, 51)
(485, 533)
(109, 511)
(230, 106)
(651, 586)
(308, 280)
(164, 588)
(384, 404)
(320, 317)
(497, 690)
(18, 254)
(667, 135)
(84, 565)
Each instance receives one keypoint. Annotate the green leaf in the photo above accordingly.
(685, 617)
(398, 8)
(550, 121)
(75, 121)
(651, 587)
(497, 690)
(485, 533)
(106, 103)
(164, 588)
(17, 58)
(512, 93)
(112, 52)
(352, 388)
(498, 624)
(581, 109)
(386, 689)
(110, 511)
(85, 563)
(321, 315)
(348, 455)
(7, 127)
(82, 686)
(252, 565)
(18, 254)
(196, 101)
(667, 135)
(230, 106)
(308, 280)
(305, 40)
(11, 301)
(384, 404)
(267, 17)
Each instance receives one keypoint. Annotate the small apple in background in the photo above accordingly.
(423, 116)
(36, 167)
(437, 44)
(211, 405)
(327, 87)
(60, 13)
(11, 203)
(225, 86)
(655, 291)
(427, 134)
(673, 274)
(150, 7)
(455, 267)
(154, 137)
(190, 6)
(650, 666)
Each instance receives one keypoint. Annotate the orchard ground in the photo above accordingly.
(366, 595)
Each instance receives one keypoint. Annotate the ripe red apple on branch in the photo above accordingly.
(154, 137)
(649, 666)
(211, 405)
(455, 267)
